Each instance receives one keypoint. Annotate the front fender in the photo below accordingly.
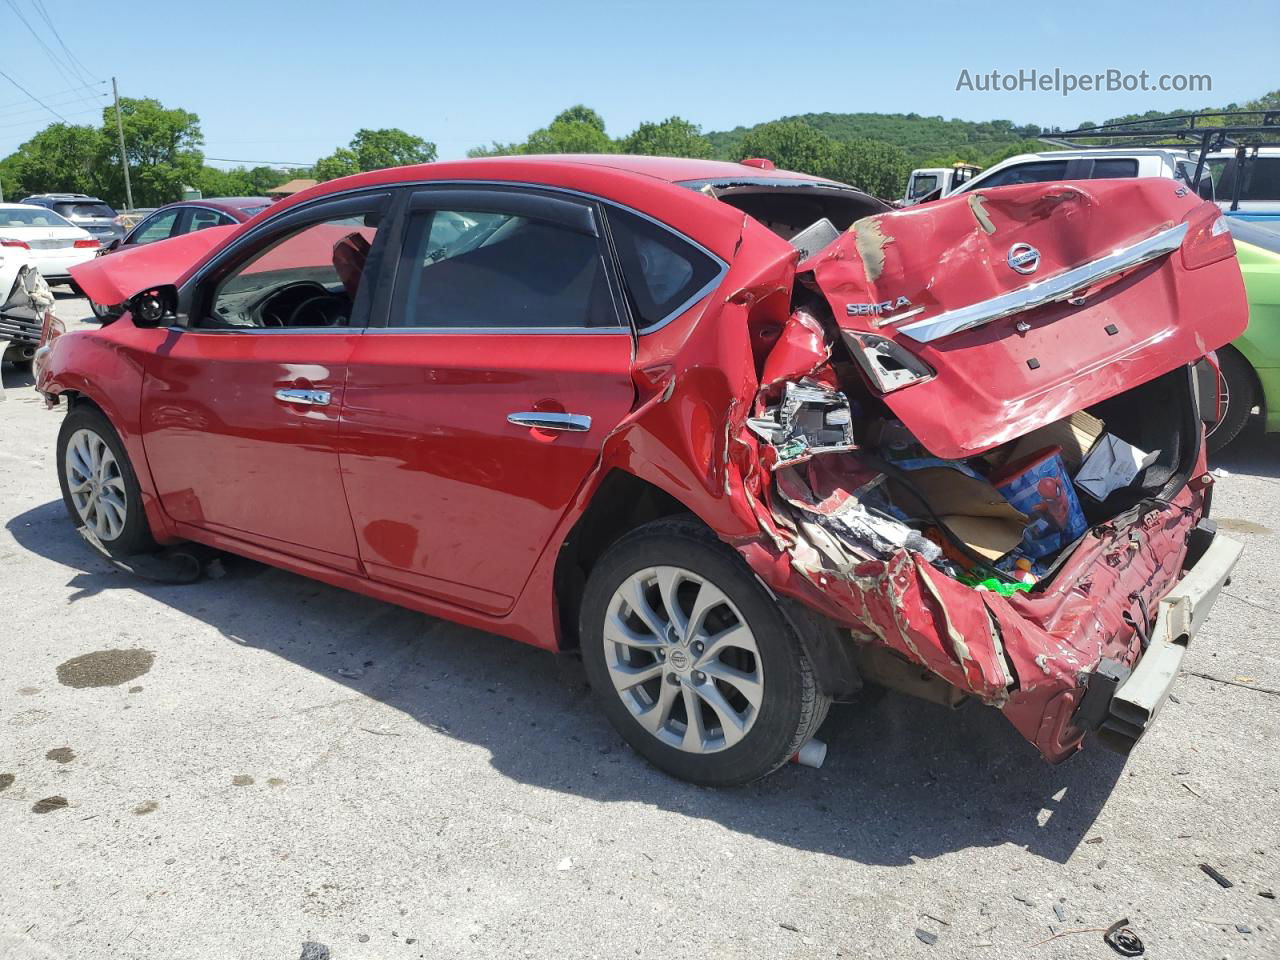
(102, 367)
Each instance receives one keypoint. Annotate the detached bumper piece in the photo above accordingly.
(1139, 695)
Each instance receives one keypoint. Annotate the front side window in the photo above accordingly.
(1040, 172)
(1261, 178)
(159, 227)
(469, 269)
(309, 278)
(663, 271)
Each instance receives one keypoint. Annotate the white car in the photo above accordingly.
(1088, 164)
(32, 236)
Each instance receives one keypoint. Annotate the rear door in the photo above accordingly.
(474, 413)
(240, 410)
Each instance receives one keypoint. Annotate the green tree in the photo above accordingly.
(391, 147)
(673, 137)
(340, 163)
(163, 148)
(880, 169)
(374, 150)
(792, 145)
(60, 158)
(569, 136)
(579, 113)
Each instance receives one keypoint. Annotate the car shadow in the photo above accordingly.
(904, 779)
(14, 376)
(1253, 452)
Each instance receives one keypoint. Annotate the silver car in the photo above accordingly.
(84, 211)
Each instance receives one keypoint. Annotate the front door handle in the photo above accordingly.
(310, 398)
(573, 422)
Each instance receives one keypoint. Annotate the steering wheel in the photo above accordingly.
(328, 305)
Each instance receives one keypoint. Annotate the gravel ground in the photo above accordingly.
(260, 762)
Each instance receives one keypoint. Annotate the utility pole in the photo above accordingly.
(124, 158)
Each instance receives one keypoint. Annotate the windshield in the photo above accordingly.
(11, 217)
(84, 210)
(1261, 178)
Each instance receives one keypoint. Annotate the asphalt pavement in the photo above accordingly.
(261, 766)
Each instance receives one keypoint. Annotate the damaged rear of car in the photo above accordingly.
(974, 443)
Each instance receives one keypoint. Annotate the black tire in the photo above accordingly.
(791, 706)
(1239, 388)
(134, 536)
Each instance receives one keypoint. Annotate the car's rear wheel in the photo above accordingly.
(99, 486)
(1237, 396)
(692, 660)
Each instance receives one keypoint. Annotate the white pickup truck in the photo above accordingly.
(1259, 193)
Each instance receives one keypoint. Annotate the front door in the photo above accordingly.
(474, 414)
(240, 410)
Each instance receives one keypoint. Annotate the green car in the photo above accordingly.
(1250, 366)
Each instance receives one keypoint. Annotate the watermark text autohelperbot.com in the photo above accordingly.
(1064, 82)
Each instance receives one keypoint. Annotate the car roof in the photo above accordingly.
(665, 169)
(236, 204)
(23, 206)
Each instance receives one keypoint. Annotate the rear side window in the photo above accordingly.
(1113, 167)
(470, 269)
(663, 272)
(200, 219)
(1040, 172)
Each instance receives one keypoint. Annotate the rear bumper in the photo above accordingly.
(1138, 698)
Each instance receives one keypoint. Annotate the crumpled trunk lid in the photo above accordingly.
(983, 289)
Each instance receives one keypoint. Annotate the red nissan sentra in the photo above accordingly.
(746, 439)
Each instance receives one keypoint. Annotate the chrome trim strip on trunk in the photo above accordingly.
(1049, 290)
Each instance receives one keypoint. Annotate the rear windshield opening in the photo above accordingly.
(811, 214)
(84, 210)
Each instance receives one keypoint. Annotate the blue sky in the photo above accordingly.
(272, 84)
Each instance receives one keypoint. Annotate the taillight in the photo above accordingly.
(86, 244)
(1208, 238)
(888, 366)
(20, 244)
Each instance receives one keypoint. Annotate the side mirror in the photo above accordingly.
(157, 307)
(112, 245)
(1206, 187)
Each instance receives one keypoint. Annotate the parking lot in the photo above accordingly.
(257, 762)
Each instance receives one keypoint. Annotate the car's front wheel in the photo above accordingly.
(692, 660)
(98, 483)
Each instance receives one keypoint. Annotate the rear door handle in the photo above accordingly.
(573, 422)
(310, 398)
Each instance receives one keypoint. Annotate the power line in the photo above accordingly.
(11, 114)
(73, 59)
(59, 93)
(27, 123)
(33, 96)
(268, 163)
(53, 58)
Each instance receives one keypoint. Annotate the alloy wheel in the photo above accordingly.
(683, 659)
(96, 484)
